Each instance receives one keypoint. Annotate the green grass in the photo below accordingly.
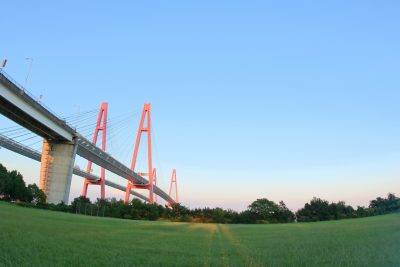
(32, 237)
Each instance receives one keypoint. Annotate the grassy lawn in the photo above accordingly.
(31, 237)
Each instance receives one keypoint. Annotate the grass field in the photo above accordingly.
(31, 237)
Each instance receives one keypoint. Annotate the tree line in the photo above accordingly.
(321, 210)
(13, 188)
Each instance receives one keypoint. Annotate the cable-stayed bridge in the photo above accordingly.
(26, 151)
(61, 144)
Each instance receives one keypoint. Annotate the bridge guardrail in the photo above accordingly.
(31, 95)
(17, 147)
(35, 99)
(86, 144)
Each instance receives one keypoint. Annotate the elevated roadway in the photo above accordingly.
(62, 144)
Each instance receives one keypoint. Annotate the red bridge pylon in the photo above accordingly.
(144, 127)
(155, 183)
(173, 181)
(101, 125)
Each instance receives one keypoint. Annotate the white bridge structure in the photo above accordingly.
(61, 143)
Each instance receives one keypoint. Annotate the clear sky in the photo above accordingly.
(250, 99)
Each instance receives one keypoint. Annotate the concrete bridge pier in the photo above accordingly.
(56, 168)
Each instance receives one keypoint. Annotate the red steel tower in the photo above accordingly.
(144, 127)
(173, 181)
(101, 125)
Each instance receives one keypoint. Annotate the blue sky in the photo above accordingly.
(249, 99)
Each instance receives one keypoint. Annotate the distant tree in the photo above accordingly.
(80, 204)
(118, 209)
(247, 217)
(316, 210)
(3, 182)
(137, 211)
(13, 187)
(385, 205)
(265, 210)
(340, 210)
(284, 215)
(364, 212)
(179, 211)
(3, 170)
(38, 196)
(152, 213)
(392, 203)
(232, 216)
(218, 215)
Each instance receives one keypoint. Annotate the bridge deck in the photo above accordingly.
(19, 106)
(30, 153)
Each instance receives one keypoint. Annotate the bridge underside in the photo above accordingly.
(19, 116)
(28, 152)
(17, 105)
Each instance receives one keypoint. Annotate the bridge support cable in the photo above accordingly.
(26, 151)
(63, 141)
(173, 181)
(101, 125)
(144, 127)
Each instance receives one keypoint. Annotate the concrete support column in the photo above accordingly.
(56, 168)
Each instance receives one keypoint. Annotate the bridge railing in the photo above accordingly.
(16, 146)
(86, 144)
(19, 148)
(27, 92)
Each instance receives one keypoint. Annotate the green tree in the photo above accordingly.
(316, 210)
(264, 210)
(137, 210)
(284, 215)
(80, 204)
(14, 187)
(38, 196)
(152, 212)
(385, 205)
(3, 181)
(218, 215)
(179, 211)
(246, 217)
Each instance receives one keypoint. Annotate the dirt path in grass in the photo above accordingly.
(242, 251)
